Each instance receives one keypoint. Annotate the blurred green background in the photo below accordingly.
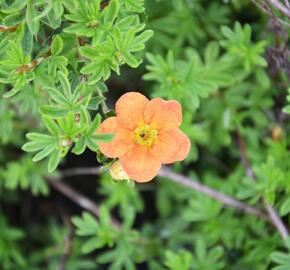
(226, 62)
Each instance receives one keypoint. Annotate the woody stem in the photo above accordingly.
(103, 103)
(274, 217)
(187, 182)
(77, 197)
(214, 194)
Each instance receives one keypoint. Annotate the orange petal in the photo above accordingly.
(130, 109)
(163, 114)
(140, 164)
(122, 141)
(172, 145)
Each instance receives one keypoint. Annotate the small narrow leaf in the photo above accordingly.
(51, 125)
(57, 45)
(47, 150)
(53, 111)
(54, 160)
(64, 84)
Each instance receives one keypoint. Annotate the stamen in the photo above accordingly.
(145, 135)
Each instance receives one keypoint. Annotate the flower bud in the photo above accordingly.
(277, 133)
(117, 172)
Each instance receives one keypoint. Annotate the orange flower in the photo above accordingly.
(146, 135)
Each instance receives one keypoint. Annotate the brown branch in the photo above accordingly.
(78, 198)
(177, 178)
(67, 240)
(33, 64)
(279, 6)
(275, 219)
(266, 9)
(272, 216)
(10, 29)
(81, 171)
(219, 196)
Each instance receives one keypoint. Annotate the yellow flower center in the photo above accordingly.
(145, 135)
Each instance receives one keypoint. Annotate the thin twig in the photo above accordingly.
(219, 196)
(275, 219)
(103, 103)
(67, 240)
(165, 172)
(33, 64)
(78, 198)
(263, 7)
(81, 171)
(279, 6)
(4, 28)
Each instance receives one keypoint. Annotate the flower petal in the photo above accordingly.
(140, 164)
(163, 114)
(172, 145)
(130, 109)
(122, 141)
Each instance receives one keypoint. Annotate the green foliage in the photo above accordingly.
(190, 79)
(122, 197)
(281, 259)
(286, 109)
(64, 63)
(10, 253)
(122, 254)
(25, 175)
(116, 50)
(202, 259)
(181, 261)
(238, 43)
(88, 226)
(10, 69)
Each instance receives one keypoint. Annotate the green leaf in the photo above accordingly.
(95, 102)
(56, 95)
(95, 124)
(89, 52)
(16, 5)
(111, 11)
(11, 93)
(53, 111)
(87, 225)
(57, 45)
(54, 160)
(134, 5)
(31, 14)
(27, 41)
(92, 144)
(178, 261)
(39, 137)
(65, 84)
(51, 125)
(280, 258)
(138, 42)
(80, 146)
(91, 245)
(131, 60)
(285, 207)
(103, 137)
(46, 151)
(33, 146)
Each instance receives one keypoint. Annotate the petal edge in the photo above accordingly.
(140, 164)
(130, 109)
(121, 142)
(163, 114)
(172, 145)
